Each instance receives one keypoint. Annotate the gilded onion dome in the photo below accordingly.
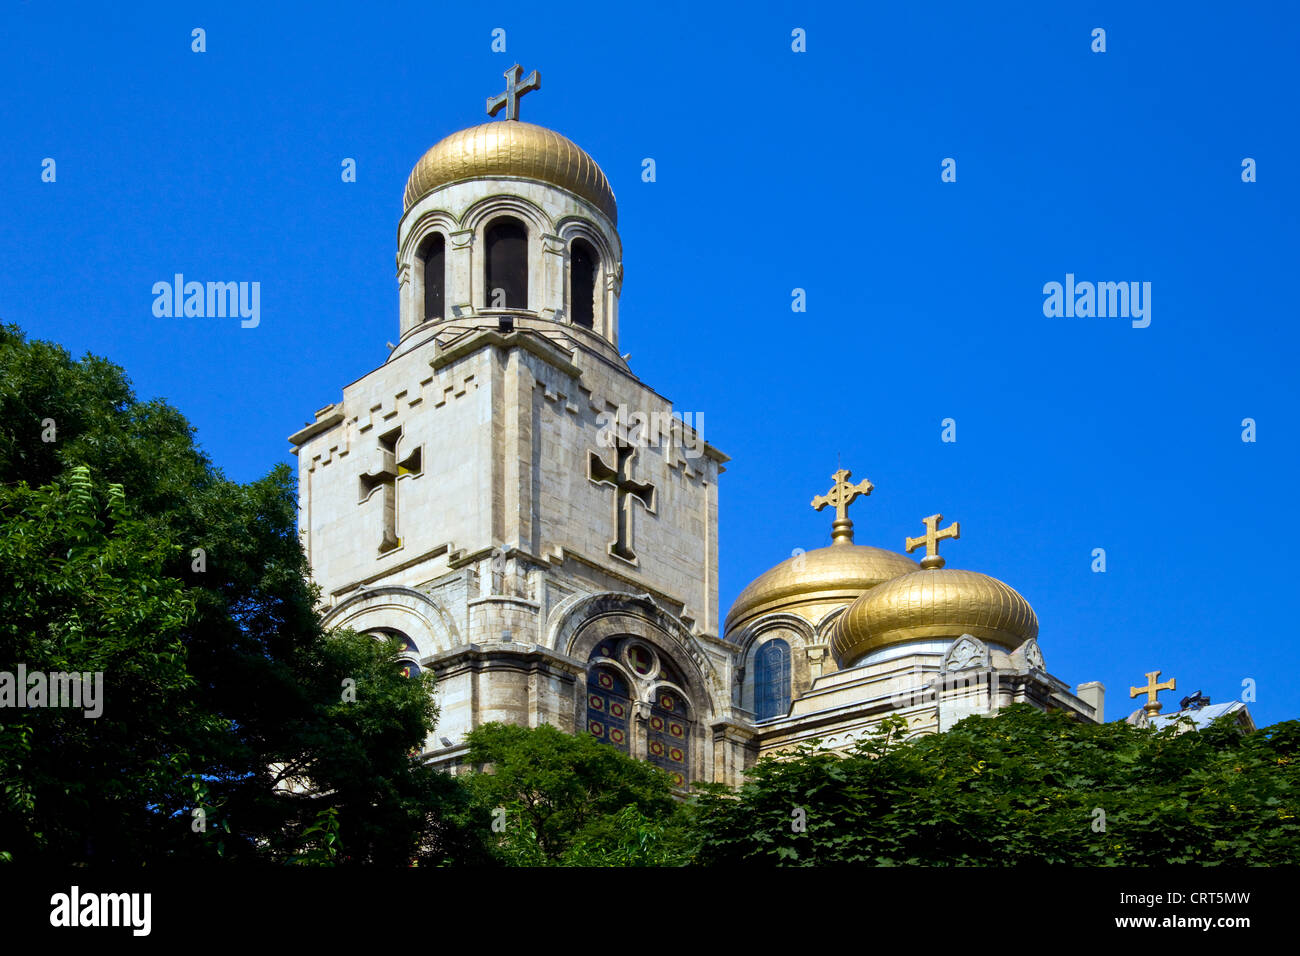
(816, 582)
(827, 576)
(511, 148)
(934, 602)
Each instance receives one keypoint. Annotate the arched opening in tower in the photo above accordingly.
(582, 283)
(507, 265)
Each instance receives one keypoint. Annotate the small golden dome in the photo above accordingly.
(511, 148)
(835, 574)
(938, 602)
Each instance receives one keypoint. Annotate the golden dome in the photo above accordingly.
(938, 602)
(835, 574)
(511, 148)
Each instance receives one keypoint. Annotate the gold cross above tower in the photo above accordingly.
(1152, 706)
(514, 90)
(842, 494)
(931, 540)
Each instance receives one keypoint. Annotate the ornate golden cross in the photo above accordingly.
(931, 540)
(842, 494)
(514, 90)
(1152, 706)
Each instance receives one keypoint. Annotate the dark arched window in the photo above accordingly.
(405, 650)
(433, 275)
(507, 265)
(609, 707)
(582, 283)
(772, 680)
(668, 738)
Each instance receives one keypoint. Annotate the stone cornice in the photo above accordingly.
(324, 423)
(527, 340)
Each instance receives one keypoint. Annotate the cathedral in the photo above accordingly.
(535, 526)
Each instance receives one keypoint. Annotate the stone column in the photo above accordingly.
(464, 286)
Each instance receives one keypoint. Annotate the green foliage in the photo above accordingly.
(573, 801)
(1020, 787)
(123, 550)
(84, 592)
(322, 840)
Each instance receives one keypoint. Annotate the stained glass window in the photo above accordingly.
(643, 662)
(406, 651)
(668, 741)
(609, 707)
(772, 680)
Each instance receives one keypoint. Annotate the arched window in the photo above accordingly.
(405, 650)
(582, 283)
(507, 265)
(772, 680)
(432, 256)
(664, 739)
(609, 707)
(668, 737)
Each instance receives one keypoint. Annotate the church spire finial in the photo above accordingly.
(515, 88)
(931, 540)
(842, 494)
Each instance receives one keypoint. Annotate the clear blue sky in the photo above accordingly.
(776, 170)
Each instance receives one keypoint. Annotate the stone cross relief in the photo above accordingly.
(626, 491)
(384, 478)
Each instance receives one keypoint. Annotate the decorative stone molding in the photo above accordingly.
(415, 614)
(966, 652)
(1030, 655)
(581, 621)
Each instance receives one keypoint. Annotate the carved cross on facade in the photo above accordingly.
(931, 540)
(385, 477)
(626, 491)
(1152, 706)
(842, 494)
(514, 90)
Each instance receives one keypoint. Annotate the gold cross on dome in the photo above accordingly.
(514, 90)
(1152, 706)
(842, 494)
(931, 540)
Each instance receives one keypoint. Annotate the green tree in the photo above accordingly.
(125, 550)
(85, 590)
(567, 799)
(1020, 787)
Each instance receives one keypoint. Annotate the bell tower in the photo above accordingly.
(504, 493)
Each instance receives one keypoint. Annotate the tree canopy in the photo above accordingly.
(566, 799)
(123, 550)
(1019, 787)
